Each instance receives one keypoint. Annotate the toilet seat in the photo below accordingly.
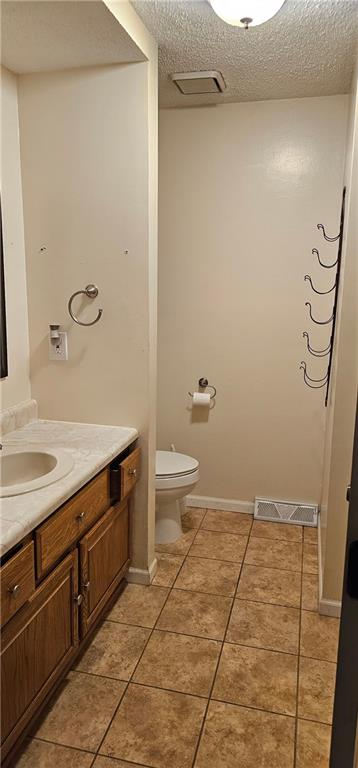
(171, 464)
(175, 470)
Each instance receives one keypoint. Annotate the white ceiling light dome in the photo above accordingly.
(246, 13)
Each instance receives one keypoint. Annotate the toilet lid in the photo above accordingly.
(169, 464)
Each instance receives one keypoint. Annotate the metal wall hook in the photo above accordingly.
(330, 239)
(315, 252)
(320, 293)
(318, 322)
(313, 383)
(91, 291)
(316, 352)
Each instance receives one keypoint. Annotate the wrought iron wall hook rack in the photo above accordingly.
(320, 293)
(315, 252)
(316, 352)
(313, 383)
(327, 351)
(318, 322)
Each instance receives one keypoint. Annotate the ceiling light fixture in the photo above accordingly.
(246, 13)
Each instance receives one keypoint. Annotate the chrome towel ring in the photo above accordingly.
(91, 291)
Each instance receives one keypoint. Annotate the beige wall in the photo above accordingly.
(88, 147)
(242, 187)
(129, 20)
(343, 399)
(16, 387)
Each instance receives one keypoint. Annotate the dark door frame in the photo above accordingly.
(346, 695)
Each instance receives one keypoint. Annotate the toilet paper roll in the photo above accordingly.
(201, 399)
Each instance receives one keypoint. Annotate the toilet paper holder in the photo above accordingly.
(203, 383)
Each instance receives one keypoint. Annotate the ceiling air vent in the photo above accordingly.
(199, 82)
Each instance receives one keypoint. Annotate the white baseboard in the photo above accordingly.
(325, 607)
(211, 502)
(329, 608)
(142, 575)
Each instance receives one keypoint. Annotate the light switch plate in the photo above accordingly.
(58, 349)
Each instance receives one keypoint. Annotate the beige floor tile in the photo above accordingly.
(219, 546)
(41, 754)
(180, 546)
(192, 517)
(215, 577)
(313, 745)
(157, 728)
(139, 605)
(269, 585)
(256, 678)
(82, 711)
(235, 737)
(108, 762)
(227, 522)
(310, 535)
(181, 663)
(193, 613)
(310, 558)
(310, 591)
(319, 636)
(168, 569)
(114, 651)
(316, 690)
(273, 627)
(280, 531)
(285, 555)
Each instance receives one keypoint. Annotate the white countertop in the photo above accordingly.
(91, 446)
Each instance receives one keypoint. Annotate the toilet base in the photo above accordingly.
(168, 527)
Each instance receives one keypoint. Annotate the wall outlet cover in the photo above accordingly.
(58, 349)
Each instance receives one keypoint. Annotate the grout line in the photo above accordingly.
(263, 648)
(298, 667)
(130, 679)
(60, 744)
(255, 709)
(138, 661)
(216, 670)
(265, 602)
(151, 685)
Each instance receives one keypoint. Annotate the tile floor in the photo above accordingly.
(223, 662)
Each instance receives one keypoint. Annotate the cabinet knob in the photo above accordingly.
(78, 599)
(86, 586)
(132, 472)
(80, 517)
(14, 591)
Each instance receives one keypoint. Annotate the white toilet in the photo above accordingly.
(175, 476)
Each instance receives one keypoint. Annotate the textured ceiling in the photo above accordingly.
(38, 35)
(307, 49)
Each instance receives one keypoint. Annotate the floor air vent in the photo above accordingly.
(285, 512)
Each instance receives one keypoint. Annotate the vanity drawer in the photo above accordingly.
(130, 469)
(71, 521)
(17, 581)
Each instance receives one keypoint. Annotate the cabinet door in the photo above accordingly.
(104, 557)
(37, 645)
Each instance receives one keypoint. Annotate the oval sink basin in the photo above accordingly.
(22, 470)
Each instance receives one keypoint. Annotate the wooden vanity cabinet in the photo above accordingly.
(81, 553)
(104, 558)
(17, 581)
(67, 525)
(36, 647)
